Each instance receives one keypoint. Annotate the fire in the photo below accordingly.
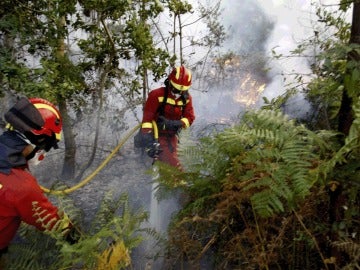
(242, 86)
(248, 91)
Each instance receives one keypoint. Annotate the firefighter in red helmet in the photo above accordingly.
(34, 127)
(171, 108)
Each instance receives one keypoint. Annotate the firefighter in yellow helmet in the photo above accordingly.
(171, 108)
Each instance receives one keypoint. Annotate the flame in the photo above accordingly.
(249, 91)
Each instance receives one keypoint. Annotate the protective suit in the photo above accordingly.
(172, 109)
(34, 124)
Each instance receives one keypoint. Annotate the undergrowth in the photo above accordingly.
(106, 244)
(258, 196)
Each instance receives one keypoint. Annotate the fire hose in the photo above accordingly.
(98, 169)
(102, 165)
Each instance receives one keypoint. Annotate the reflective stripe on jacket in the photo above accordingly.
(174, 109)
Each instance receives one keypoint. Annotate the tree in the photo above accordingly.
(77, 54)
(45, 33)
(352, 77)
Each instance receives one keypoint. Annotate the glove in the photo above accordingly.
(171, 125)
(153, 149)
(147, 138)
(70, 232)
(151, 146)
(73, 236)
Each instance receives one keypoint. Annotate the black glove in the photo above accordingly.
(153, 149)
(151, 146)
(147, 138)
(171, 125)
(73, 236)
(141, 139)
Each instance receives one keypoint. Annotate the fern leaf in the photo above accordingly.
(351, 248)
(266, 203)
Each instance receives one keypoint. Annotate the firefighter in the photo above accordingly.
(34, 127)
(171, 108)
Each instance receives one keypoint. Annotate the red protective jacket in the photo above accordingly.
(174, 109)
(19, 191)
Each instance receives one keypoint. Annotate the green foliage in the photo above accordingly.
(243, 185)
(44, 32)
(179, 7)
(267, 192)
(280, 154)
(279, 101)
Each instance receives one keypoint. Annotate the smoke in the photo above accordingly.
(255, 29)
(235, 83)
(292, 25)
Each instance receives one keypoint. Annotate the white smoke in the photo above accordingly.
(292, 25)
(255, 28)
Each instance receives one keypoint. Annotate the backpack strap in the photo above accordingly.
(183, 99)
(163, 103)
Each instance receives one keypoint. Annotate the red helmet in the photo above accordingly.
(180, 78)
(51, 116)
(38, 120)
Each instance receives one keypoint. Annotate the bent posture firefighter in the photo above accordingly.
(171, 108)
(34, 127)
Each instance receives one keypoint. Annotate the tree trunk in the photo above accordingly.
(337, 196)
(68, 170)
(345, 113)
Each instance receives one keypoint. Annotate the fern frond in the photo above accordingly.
(269, 148)
(266, 203)
(258, 171)
(27, 257)
(351, 248)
